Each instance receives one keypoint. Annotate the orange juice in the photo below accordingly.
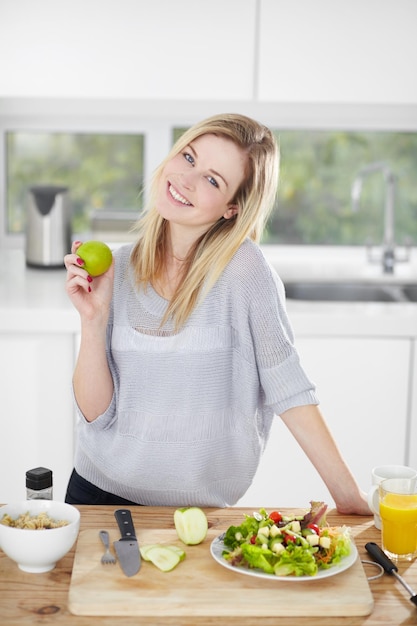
(399, 524)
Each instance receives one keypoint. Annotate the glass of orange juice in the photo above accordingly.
(398, 510)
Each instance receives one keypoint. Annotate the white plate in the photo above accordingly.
(217, 547)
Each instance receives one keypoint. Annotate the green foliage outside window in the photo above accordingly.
(102, 171)
(317, 171)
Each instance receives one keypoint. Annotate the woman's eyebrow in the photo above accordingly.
(193, 150)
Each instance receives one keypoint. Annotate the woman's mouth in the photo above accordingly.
(177, 196)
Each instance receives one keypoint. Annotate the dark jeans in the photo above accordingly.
(80, 491)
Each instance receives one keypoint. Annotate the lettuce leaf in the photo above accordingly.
(296, 561)
(258, 557)
(248, 527)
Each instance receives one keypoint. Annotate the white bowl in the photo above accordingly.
(39, 550)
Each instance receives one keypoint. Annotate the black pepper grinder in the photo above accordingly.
(39, 484)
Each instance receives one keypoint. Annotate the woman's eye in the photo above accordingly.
(188, 158)
(213, 181)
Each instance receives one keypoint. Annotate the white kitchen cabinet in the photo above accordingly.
(37, 409)
(348, 52)
(363, 390)
(183, 50)
(412, 433)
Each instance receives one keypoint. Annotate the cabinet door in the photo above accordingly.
(362, 385)
(412, 430)
(37, 410)
(318, 52)
(182, 50)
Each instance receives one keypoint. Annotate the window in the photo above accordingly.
(105, 162)
(317, 172)
(104, 172)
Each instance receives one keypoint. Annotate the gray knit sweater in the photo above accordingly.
(191, 412)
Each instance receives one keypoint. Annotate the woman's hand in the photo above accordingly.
(90, 296)
(357, 504)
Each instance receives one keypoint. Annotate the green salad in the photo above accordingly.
(287, 545)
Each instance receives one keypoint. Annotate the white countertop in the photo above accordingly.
(34, 300)
(351, 319)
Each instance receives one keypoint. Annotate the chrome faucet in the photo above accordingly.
(388, 256)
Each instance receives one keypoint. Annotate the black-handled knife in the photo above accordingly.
(390, 567)
(127, 547)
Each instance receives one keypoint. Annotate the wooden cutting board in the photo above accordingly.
(199, 586)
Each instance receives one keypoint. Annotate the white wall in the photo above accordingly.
(361, 51)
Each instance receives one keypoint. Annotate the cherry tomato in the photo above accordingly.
(253, 539)
(314, 528)
(275, 516)
(290, 537)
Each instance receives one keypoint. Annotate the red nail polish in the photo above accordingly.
(90, 280)
(89, 289)
(80, 261)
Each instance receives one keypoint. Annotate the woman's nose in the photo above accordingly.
(188, 179)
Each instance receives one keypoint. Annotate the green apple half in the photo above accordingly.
(97, 257)
(191, 525)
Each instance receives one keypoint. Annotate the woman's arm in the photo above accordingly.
(92, 380)
(307, 425)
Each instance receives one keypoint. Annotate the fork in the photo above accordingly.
(107, 556)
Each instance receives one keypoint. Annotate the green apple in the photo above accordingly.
(164, 557)
(97, 257)
(144, 549)
(191, 525)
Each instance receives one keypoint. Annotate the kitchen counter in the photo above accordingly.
(43, 598)
(34, 300)
(344, 264)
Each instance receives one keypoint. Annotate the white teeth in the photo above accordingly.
(178, 196)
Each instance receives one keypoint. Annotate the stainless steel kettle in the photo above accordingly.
(48, 226)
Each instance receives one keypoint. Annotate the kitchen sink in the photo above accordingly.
(351, 292)
(410, 292)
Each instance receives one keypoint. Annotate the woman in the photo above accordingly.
(186, 351)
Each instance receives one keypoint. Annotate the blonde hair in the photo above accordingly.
(212, 251)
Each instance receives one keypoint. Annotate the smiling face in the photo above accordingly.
(197, 186)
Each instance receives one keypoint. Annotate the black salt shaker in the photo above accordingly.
(39, 484)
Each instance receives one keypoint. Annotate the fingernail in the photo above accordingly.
(89, 289)
(80, 261)
(90, 280)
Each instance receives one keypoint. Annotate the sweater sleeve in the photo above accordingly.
(284, 382)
